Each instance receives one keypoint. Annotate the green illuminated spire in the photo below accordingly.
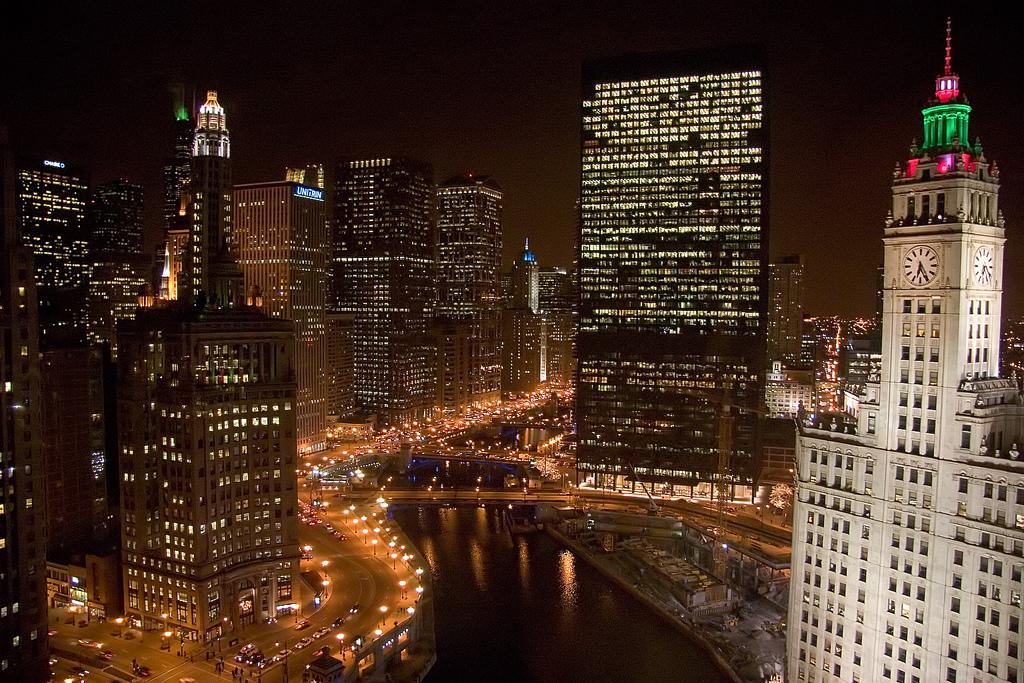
(181, 114)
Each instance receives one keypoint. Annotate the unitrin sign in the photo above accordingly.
(309, 192)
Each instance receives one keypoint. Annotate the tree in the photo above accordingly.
(781, 497)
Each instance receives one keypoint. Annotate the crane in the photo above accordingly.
(725, 429)
(652, 507)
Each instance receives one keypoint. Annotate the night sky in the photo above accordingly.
(494, 88)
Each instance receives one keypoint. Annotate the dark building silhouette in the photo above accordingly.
(23, 655)
(785, 309)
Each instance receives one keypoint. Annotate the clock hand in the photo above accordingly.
(920, 269)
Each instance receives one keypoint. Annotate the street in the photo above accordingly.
(359, 570)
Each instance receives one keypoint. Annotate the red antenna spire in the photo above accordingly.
(949, 46)
(947, 86)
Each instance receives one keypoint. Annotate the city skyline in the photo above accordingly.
(251, 343)
(524, 130)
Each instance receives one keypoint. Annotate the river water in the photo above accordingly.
(525, 609)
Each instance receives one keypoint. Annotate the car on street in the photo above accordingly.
(338, 622)
(79, 671)
(303, 643)
(106, 654)
(85, 642)
(321, 632)
(353, 609)
(302, 624)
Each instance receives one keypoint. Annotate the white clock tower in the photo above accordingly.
(908, 526)
(942, 291)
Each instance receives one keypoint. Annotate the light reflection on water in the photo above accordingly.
(567, 579)
(523, 609)
(523, 552)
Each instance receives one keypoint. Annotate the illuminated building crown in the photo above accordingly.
(211, 137)
(947, 115)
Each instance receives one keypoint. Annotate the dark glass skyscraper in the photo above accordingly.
(672, 269)
(785, 309)
(115, 218)
(178, 172)
(523, 332)
(383, 274)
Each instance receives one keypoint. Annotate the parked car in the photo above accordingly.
(302, 624)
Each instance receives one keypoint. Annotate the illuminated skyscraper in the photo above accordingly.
(311, 175)
(115, 284)
(212, 273)
(383, 274)
(52, 199)
(206, 435)
(557, 305)
(673, 272)
(23, 655)
(526, 280)
(284, 248)
(172, 273)
(469, 237)
(118, 269)
(908, 526)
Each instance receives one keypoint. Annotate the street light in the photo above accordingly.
(374, 544)
(394, 561)
(383, 614)
(402, 584)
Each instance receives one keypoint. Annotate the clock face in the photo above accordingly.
(984, 265)
(920, 265)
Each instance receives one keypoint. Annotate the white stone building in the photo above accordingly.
(908, 542)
